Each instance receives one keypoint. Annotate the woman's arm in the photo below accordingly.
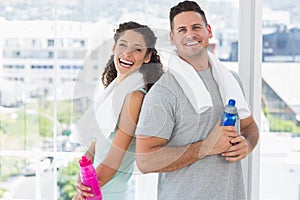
(91, 152)
(82, 191)
(124, 135)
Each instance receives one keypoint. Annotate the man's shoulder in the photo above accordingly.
(166, 86)
(235, 74)
(237, 77)
(167, 79)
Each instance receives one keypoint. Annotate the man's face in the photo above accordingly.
(190, 35)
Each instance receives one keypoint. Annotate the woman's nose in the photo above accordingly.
(127, 51)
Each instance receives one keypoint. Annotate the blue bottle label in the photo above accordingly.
(229, 119)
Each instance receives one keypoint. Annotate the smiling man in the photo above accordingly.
(190, 34)
(179, 133)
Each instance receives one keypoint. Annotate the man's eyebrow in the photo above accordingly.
(196, 24)
(180, 27)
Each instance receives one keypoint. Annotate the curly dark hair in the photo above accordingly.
(151, 71)
(185, 6)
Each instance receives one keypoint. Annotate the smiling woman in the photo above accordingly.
(131, 71)
(130, 52)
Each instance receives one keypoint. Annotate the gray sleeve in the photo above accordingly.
(237, 78)
(157, 113)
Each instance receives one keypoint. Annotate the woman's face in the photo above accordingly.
(130, 53)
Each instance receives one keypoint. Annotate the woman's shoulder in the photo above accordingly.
(136, 95)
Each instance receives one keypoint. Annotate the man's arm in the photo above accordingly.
(154, 156)
(245, 143)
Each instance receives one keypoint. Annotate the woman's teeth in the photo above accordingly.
(125, 63)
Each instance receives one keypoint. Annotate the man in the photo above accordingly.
(179, 133)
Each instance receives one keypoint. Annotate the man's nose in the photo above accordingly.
(190, 33)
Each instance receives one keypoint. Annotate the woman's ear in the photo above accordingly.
(148, 57)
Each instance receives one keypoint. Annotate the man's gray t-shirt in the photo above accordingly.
(167, 113)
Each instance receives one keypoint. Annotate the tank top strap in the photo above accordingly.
(139, 89)
(142, 90)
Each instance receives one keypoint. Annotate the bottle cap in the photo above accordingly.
(231, 108)
(84, 161)
(231, 102)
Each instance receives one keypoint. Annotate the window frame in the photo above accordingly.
(250, 63)
(250, 56)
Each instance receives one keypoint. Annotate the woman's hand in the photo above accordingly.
(78, 197)
(82, 191)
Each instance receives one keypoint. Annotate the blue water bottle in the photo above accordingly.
(230, 114)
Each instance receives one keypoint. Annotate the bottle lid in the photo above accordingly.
(231, 102)
(231, 108)
(84, 161)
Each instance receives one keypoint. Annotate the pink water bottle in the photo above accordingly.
(89, 178)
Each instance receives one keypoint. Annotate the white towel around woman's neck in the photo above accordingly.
(196, 91)
(102, 116)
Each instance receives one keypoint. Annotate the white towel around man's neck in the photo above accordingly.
(102, 116)
(196, 91)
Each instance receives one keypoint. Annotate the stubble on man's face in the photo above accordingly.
(190, 35)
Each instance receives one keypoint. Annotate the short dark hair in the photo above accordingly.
(185, 6)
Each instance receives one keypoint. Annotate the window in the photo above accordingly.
(50, 54)
(16, 54)
(50, 42)
(37, 109)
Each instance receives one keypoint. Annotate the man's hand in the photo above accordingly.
(245, 143)
(219, 140)
(238, 151)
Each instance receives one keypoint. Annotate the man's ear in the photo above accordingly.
(148, 57)
(209, 31)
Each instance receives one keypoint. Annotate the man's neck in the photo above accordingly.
(199, 63)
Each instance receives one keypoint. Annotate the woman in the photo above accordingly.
(134, 57)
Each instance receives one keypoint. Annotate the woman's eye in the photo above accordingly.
(139, 50)
(122, 45)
